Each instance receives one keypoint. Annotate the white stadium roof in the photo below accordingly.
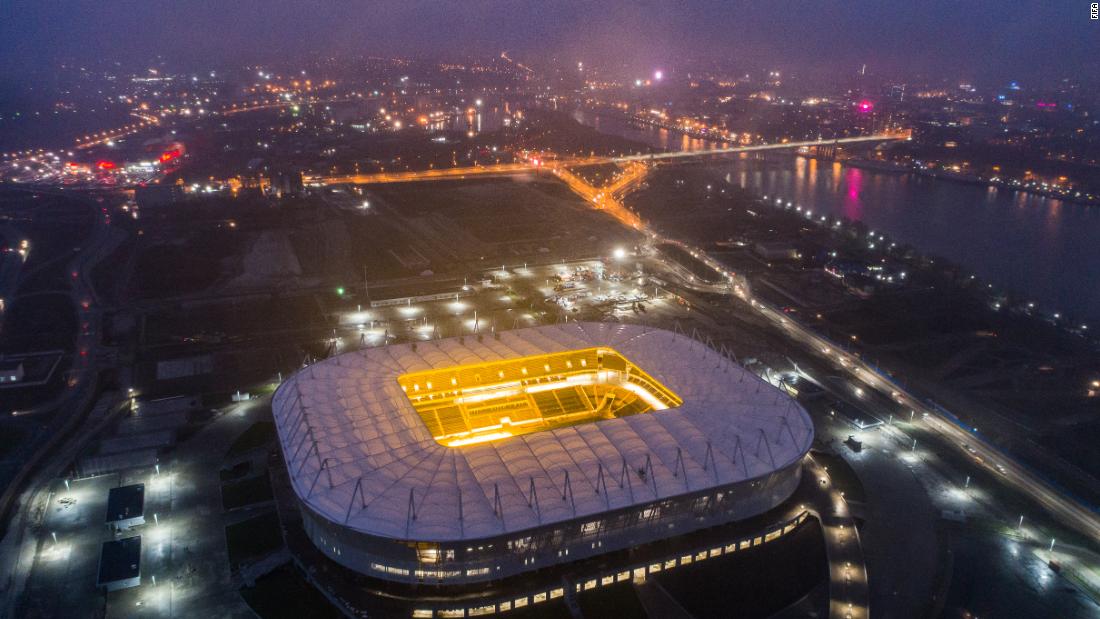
(360, 455)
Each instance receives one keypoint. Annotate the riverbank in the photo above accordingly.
(1017, 379)
(959, 177)
(1044, 249)
(643, 128)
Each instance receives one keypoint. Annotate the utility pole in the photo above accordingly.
(366, 284)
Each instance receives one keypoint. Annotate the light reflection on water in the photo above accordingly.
(1042, 247)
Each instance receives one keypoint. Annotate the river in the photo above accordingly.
(1042, 248)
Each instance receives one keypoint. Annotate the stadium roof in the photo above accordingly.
(361, 455)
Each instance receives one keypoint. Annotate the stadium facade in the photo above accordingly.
(476, 458)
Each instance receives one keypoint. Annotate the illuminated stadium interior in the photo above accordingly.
(477, 403)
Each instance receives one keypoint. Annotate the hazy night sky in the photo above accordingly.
(996, 40)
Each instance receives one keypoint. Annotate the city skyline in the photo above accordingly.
(1009, 40)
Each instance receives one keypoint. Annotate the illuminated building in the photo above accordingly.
(480, 457)
(286, 183)
(11, 371)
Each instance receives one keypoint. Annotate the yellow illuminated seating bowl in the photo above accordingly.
(477, 403)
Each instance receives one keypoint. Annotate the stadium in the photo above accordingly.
(476, 458)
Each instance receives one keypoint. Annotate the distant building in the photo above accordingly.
(864, 279)
(120, 564)
(126, 507)
(285, 183)
(11, 372)
(154, 196)
(847, 268)
(776, 250)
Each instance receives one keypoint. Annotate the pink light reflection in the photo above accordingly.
(853, 206)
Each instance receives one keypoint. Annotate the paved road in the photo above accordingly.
(848, 590)
(504, 169)
(27, 505)
(1062, 507)
(11, 266)
(849, 596)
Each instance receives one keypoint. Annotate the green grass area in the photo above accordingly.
(285, 594)
(253, 538)
(256, 436)
(246, 492)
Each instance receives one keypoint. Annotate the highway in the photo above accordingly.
(848, 591)
(504, 169)
(607, 198)
(104, 137)
(1063, 508)
(437, 174)
(11, 266)
(685, 154)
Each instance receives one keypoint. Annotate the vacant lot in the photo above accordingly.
(469, 225)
